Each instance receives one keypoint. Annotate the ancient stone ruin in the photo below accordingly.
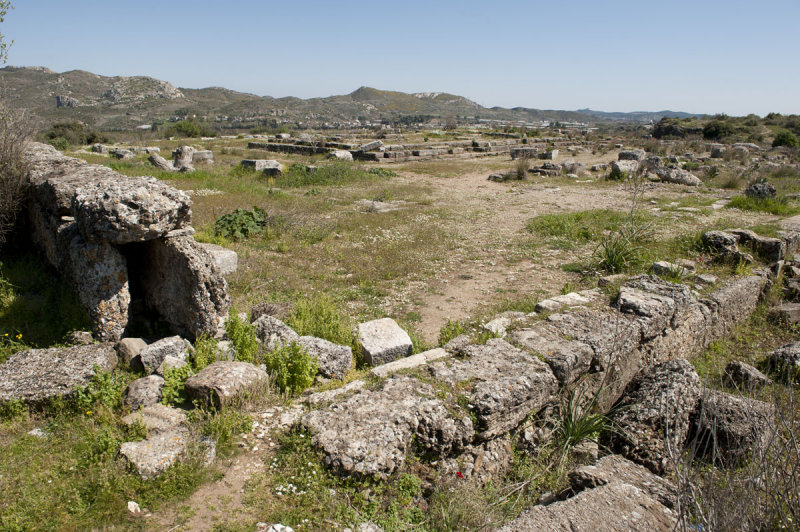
(125, 244)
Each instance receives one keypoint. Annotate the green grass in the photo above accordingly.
(780, 206)
(572, 229)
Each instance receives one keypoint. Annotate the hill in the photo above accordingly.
(119, 102)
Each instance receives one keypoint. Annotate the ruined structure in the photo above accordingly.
(124, 244)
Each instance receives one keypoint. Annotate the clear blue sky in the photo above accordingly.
(698, 56)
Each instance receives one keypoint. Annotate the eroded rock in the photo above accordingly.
(371, 432)
(383, 341)
(41, 374)
(143, 392)
(222, 382)
(334, 360)
(272, 332)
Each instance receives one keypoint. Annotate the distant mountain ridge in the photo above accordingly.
(125, 102)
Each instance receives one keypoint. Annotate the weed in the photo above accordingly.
(223, 425)
(292, 367)
(242, 336)
(320, 316)
(616, 254)
(205, 351)
(568, 229)
(577, 422)
(12, 410)
(104, 388)
(174, 390)
(450, 330)
(778, 206)
(241, 224)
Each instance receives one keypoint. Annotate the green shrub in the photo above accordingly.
(577, 423)
(223, 425)
(59, 143)
(241, 223)
(292, 367)
(104, 388)
(12, 410)
(320, 316)
(785, 138)
(190, 128)
(174, 390)
(205, 351)
(718, 129)
(243, 338)
(450, 330)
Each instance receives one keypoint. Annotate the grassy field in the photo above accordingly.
(456, 250)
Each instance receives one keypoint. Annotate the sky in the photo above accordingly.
(697, 56)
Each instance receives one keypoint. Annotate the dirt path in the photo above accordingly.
(489, 264)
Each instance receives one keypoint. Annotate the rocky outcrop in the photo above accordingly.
(503, 384)
(653, 416)
(616, 506)
(726, 429)
(99, 228)
(40, 374)
(371, 432)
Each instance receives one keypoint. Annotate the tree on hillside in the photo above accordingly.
(15, 130)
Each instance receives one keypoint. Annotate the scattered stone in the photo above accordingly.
(129, 349)
(611, 280)
(162, 164)
(134, 508)
(481, 463)
(154, 354)
(154, 455)
(787, 313)
(727, 429)
(143, 392)
(272, 332)
(371, 432)
(761, 190)
(39, 433)
(632, 155)
(369, 146)
(554, 304)
(615, 468)
(498, 326)
(506, 384)
(624, 167)
(80, 338)
(170, 363)
(654, 413)
(334, 360)
(457, 344)
(272, 169)
(614, 506)
(277, 527)
(717, 151)
(409, 362)
(550, 154)
(383, 340)
(157, 418)
(667, 268)
(724, 245)
(226, 260)
(41, 374)
(770, 249)
(342, 155)
(740, 375)
(785, 361)
(222, 382)
(122, 153)
(678, 176)
(599, 167)
(182, 159)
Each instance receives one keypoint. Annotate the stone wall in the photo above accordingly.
(109, 235)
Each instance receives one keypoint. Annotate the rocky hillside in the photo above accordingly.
(126, 102)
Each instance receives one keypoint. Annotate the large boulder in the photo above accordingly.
(223, 382)
(181, 282)
(613, 468)
(371, 432)
(129, 348)
(334, 360)
(726, 429)
(41, 374)
(761, 190)
(273, 333)
(143, 392)
(652, 419)
(678, 176)
(154, 354)
(383, 341)
(154, 455)
(612, 507)
(503, 384)
(632, 155)
(743, 376)
(624, 167)
(785, 361)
